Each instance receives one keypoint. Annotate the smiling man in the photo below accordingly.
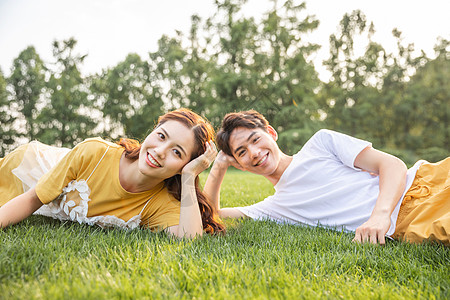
(334, 181)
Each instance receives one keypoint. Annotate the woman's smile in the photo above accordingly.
(151, 161)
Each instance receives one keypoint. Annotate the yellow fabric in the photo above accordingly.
(10, 185)
(107, 196)
(425, 211)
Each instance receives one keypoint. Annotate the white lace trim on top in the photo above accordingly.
(72, 203)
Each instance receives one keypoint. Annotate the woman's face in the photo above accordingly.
(166, 150)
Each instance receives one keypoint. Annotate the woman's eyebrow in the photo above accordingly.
(179, 146)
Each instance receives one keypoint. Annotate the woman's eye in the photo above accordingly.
(161, 136)
(177, 153)
(241, 153)
(255, 140)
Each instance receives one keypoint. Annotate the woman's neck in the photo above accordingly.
(131, 179)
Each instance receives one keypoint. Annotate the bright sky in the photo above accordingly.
(107, 30)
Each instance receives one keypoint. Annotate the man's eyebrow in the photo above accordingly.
(168, 136)
(249, 138)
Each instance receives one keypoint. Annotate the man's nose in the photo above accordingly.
(254, 151)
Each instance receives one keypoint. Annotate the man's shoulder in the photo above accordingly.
(324, 132)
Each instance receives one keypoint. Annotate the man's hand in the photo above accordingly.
(392, 180)
(373, 230)
(224, 161)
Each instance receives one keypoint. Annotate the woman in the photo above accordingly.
(153, 184)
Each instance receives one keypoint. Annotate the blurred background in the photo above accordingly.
(76, 69)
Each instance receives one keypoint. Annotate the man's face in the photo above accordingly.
(255, 150)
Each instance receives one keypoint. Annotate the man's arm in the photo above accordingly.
(214, 182)
(392, 180)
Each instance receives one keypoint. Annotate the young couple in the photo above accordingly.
(335, 181)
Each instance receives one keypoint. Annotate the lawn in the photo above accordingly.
(42, 258)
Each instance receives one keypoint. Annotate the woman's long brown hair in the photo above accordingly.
(203, 132)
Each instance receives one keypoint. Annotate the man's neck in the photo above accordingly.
(284, 162)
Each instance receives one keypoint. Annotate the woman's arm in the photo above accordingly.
(19, 208)
(392, 180)
(190, 218)
(214, 182)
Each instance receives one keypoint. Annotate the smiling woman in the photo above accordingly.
(126, 185)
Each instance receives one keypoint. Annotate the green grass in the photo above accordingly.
(42, 258)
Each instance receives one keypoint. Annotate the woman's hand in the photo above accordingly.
(201, 163)
(19, 208)
(190, 224)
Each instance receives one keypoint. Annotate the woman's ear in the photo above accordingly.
(273, 133)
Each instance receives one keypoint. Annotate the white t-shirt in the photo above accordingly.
(321, 186)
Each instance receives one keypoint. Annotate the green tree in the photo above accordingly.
(185, 71)
(289, 80)
(428, 96)
(264, 65)
(7, 133)
(130, 97)
(401, 66)
(196, 71)
(27, 81)
(345, 82)
(66, 118)
(168, 63)
(364, 92)
(397, 100)
(231, 39)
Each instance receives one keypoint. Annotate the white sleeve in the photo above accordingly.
(260, 210)
(344, 147)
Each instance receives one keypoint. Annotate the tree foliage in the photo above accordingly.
(229, 62)
(7, 132)
(27, 81)
(65, 119)
(130, 97)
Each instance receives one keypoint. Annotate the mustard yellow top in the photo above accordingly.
(10, 185)
(96, 162)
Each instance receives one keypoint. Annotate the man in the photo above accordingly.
(334, 181)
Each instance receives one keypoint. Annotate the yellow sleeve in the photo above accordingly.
(73, 166)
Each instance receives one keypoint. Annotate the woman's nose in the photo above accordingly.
(160, 151)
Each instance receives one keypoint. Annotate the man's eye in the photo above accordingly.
(255, 140)
(241, 153)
